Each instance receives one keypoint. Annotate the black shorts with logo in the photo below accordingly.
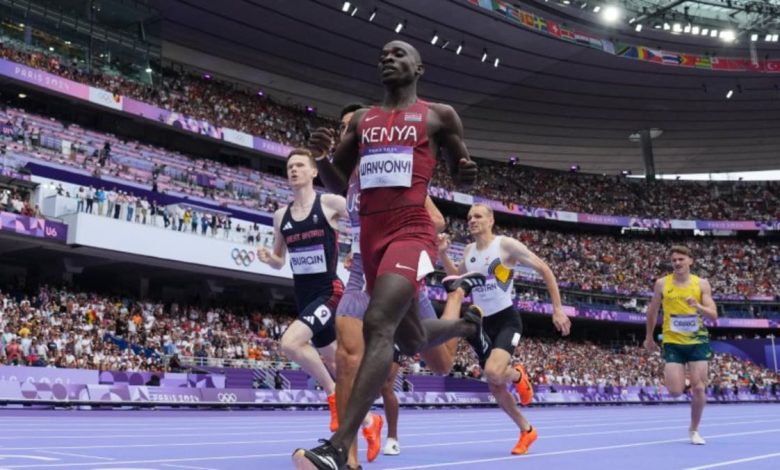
(319, 316)
(504, 328)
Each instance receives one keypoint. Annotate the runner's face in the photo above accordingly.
(681, 263)
(479, 220)
(300, 172)
(399, 64)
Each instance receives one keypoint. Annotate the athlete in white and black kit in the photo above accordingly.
(308, 229)
(495, 257)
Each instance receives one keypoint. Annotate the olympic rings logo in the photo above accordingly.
(242, 257)
(227, 397)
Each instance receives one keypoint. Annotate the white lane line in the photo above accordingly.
(302, 418)
(575, 451)
(159, 461)
(295, 420)
(187, 466)
(68, 454)
(462, 462)
(450, 443)
(29, 457)
(581, 434)
(732, 462)
(470, 428)
(260, 424)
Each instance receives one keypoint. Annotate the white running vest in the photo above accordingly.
(496, 295)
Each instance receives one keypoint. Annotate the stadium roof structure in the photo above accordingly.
(548, 83)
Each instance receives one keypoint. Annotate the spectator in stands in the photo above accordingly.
(81, 197)
(100, 197)
(118, 203)
(195, 220)
(205, 221)
(13, 353)
(105, 154)
(130, 201)
(186, 220)
(111, 197)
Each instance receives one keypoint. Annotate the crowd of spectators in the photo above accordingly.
(583, 363)
(590, 263)
(16, 202)
(60, 328)
(582, 262)
(161, 170)
(630, 265)
(127, 206)
(622, 196)
(198, 95)
(226, 104)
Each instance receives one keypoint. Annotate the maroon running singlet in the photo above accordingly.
(396, 166)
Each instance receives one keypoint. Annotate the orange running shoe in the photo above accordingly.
(334, 417)
(526, 439)
(373, 435)
(523, 386)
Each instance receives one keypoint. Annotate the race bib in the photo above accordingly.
(483, 294)
(386, 167)
(684, 323)
(356, 239)
(308, 260)
(490, 297)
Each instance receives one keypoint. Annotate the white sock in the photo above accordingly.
(368, 420)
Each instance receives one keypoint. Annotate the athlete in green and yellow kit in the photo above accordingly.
(686, 300)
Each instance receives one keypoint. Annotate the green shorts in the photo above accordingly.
(685, 353)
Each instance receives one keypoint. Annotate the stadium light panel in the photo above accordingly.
(611, 14)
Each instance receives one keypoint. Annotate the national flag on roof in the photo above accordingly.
(671, 58)
(540, 24)
(528, 19)
(553, 29)
(703, 62)
(654, 55)
(626, 50)
(487, 4)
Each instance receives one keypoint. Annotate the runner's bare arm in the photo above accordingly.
(275, 258)
(520, 254)
(337, 208)
(707, 306)
(335, 175)
(462, 167)
(449, 266)
(436, 216)
(652, 315)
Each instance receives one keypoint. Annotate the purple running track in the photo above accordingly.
(745, 436)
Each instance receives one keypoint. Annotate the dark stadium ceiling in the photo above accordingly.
(549, 103)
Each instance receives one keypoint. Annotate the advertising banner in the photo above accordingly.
(130, 394)
(33, 227)
(43, 79)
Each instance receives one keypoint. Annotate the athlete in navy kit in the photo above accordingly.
(307, 228)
